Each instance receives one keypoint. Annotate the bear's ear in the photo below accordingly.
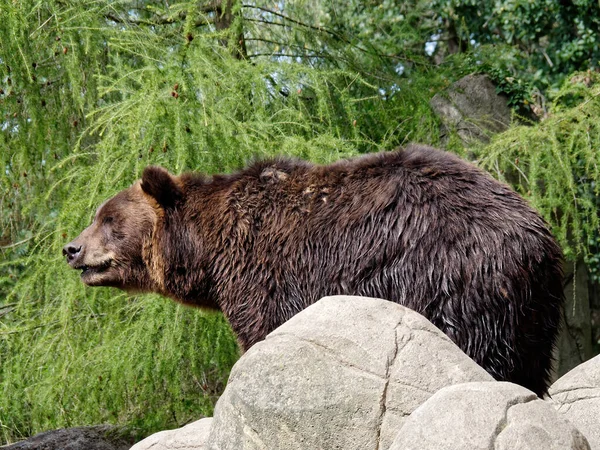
(162, 186)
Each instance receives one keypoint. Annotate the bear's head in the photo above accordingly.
(116, 249)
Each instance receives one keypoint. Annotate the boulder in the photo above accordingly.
(577, 397)
(342, 374)
(190, 437)
(499, 415)
(100, 437)
(472, 107)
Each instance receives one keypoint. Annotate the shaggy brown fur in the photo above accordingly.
(418, 226)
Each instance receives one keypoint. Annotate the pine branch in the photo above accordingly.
(158, 20)
(292, 55)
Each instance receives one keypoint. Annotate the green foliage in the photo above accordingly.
(91, 94)
(382, 43)
(554, 164)
(552, 39)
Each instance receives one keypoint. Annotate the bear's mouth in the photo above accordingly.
(88, 269)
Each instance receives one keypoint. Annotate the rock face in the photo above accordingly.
(577, 396)
(502, 416)
(574, 344)
(473, 108)
(101, 437)
(342, 374)
(191, 437)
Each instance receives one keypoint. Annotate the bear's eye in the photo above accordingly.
(107, 220)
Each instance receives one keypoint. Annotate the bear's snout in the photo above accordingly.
(72, 251)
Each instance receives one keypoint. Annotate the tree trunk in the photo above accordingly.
(224, 19)
(574, 344)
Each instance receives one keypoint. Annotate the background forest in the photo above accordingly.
(92, 92)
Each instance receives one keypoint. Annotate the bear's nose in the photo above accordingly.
(71, 251)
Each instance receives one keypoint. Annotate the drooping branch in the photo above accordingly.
(163, 19)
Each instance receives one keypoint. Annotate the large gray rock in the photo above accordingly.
(577, 396)
(100, 437)
(190, 437)
(499, 416)
(472, 107)
(342, 374)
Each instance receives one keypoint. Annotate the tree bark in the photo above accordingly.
(224, 19)
(574, 344)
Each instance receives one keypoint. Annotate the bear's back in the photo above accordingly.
(417, 226)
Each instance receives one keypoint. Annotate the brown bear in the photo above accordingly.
(416, 226)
